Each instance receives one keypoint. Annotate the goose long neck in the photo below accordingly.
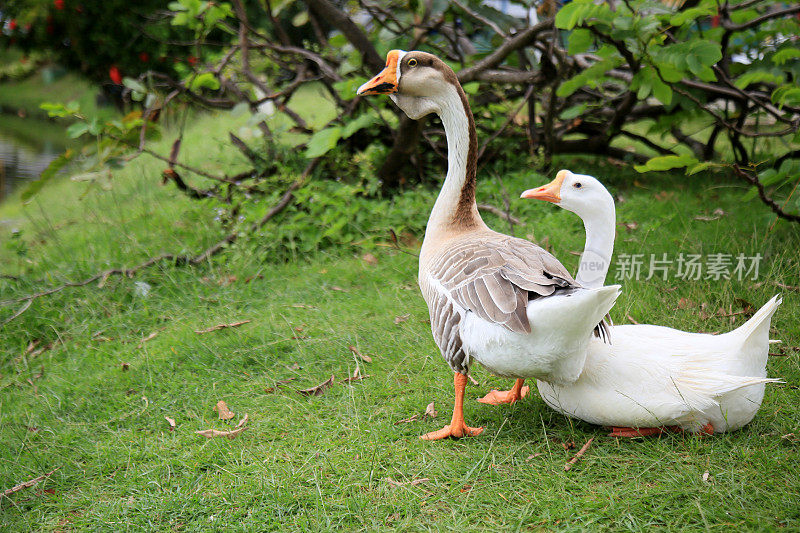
(600, 227)
(455, 208)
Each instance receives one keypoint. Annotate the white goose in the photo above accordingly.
(650, 377)
(495, 299)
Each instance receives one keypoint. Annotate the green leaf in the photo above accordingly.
(580, 40)
(669, 72)
(362, 121)
(47, 174)
(77, 129)
(591, 76)
(206, 80)
(666, 162)
(54, 109)
(471, 87)
(300, 19)
(572, 112)
(785, 55)
(682, 17)
(698, 167)
(661, 90)
(574, 13)
(786, 94)
(644, 89)
(134, 85)
(758, 76)
(323, 141)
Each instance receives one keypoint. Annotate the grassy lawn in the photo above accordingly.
(127, 355)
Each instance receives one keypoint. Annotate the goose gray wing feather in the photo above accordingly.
(492, 277)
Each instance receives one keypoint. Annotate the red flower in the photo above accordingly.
(144, 57)
(12, 24)
(114, 74)
(191, 60)
(715, 21)
(59, 4)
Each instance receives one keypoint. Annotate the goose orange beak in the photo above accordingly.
(550, 192)
(386, 81)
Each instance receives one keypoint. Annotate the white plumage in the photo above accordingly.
(654, 376)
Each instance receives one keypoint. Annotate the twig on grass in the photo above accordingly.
(21, 310)
(221, 326)
(8, 492)
(578, 455)
(103, 276)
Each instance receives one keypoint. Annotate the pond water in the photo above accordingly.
(27, 146)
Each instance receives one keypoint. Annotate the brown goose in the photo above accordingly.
(499, 300)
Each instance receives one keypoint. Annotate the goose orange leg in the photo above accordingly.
(457, 428)
(497, 397)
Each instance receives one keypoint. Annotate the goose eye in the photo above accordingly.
(577, 185)
(412, 62)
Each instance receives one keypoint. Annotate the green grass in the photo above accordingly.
(311, 463)
(27, 94)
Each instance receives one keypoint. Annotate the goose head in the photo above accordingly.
(418, 82)
(579, 193)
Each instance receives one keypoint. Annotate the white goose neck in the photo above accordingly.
(600, 227)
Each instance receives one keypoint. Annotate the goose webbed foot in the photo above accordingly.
(633, 433)
(517, 392)
(456, 428)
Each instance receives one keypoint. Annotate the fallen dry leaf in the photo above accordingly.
(474, 382)
(293, 366)
(402, 483)
(357, 376)
(232, 434)
(222, 409)
(630, 226)
(227, 280)
(399, 319)
(369, 259)
(126, 367)
(221, 326)
(319, 390)
(149, 337)
(171, 422)
(406, 420)
(534, 455)
(337, 288)
(31, 345)
(683, 303)
(27, 484)
(705, 476)
(430, 411)
(578, 455)
(211, 433)
(466, 488)
(366, 358)
(663, 195)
